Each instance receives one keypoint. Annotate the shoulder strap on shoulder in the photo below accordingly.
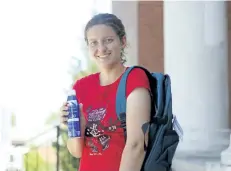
(159, 89)
(121, 91)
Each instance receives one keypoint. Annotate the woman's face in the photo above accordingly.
(104, 45)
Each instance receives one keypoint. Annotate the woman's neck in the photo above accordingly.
(109, 76)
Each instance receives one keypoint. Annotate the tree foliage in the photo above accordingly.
(34, 162)
(67, 161)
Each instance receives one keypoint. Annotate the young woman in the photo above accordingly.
(103, 146)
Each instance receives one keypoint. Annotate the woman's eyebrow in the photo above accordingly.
(105, 37)
(91, 39)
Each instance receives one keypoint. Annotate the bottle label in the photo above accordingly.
(73, 119)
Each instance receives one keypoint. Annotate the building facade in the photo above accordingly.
(190, 41)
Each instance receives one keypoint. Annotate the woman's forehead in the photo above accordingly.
(100, 31)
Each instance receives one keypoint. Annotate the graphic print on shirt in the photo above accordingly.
(98, 130)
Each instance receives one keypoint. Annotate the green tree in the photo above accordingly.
(67, 161)
(34, 162)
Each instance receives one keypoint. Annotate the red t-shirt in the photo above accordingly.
(104, 138)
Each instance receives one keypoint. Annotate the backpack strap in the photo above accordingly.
(159, 99)
(168, 101)
(121, 94)
(158, 87)
(121, 100)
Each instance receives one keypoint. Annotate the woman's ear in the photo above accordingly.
(124, 42)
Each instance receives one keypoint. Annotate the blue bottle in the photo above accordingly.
(73, 122)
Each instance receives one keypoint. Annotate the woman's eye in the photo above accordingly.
(93, 43)
(109, 40)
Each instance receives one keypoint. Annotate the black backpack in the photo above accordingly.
(163, 138)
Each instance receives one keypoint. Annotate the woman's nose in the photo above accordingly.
(101, 49)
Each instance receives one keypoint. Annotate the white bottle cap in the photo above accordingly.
(71, 93)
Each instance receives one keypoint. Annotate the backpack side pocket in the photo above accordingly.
(169, 146)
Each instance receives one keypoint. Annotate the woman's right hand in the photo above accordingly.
(74, 145)
(64, 115)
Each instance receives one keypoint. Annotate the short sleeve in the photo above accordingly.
(137, 79)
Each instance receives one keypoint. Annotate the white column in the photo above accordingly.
(195, 41)
(5, 126)
(127, 11)
(5, 136)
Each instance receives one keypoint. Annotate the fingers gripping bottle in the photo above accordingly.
(73, 121)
